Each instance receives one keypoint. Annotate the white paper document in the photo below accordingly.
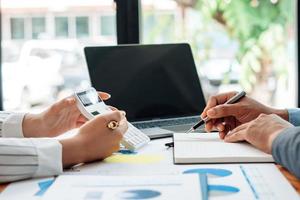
(27, 189)
(247, 182)
(209, 148)
(86, 187)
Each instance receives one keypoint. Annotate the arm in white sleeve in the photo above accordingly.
(11, 124)
(22, 158)
(26, 158)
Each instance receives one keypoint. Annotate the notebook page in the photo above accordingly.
(208, 147)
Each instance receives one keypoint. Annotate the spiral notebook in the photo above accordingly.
(209, 148)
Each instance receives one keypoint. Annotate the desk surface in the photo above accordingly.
(292, 179)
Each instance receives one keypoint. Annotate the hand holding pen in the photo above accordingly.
(224, 99)
(233, 99)
(226, 117)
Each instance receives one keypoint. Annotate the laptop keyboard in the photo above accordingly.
(167, 122)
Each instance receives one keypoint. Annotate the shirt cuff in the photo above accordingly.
(49, 153)
(12, 126)
(294, 116)
(279, 144)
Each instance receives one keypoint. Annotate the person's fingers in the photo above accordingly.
(123, 126)
(224, 110)
(222, 134)
(235, 137)
(113, 108)
(227, 128)
(212, 102)
(225, 131)
(116, 109)
(241, 127)
(79, 124)
(216, 100)
(104, 95)
(123, 112)
(82, 119)
(64, 103)
(209, 126)
(218, 124)
(221, 127)
(238, 134)
(230, 122)
(110, 116)
(117, 115)
(70, 100)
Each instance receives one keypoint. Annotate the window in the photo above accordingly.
(61, 27)
(38, 25)
(237, 45)
(253, 52)
(158, 27)
(45, 47)
(82, 27)
(108, 25)
(17, 28)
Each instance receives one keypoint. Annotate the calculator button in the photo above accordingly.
(95, 113)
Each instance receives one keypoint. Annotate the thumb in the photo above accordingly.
(224, 110)
(104, 95)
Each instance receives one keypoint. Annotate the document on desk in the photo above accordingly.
(87, 187)
(27, 189)
(209, 148)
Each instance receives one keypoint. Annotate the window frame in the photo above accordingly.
(128, 21)
(297, 56)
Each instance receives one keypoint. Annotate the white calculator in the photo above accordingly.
(90, 104)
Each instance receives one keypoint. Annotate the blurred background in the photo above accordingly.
(237, 44)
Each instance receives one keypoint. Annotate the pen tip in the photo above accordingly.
(190, 130)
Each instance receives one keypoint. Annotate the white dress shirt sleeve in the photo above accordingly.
(11, 124)
(22, 158)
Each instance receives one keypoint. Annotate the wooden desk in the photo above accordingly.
(2, 187)
(292, 179)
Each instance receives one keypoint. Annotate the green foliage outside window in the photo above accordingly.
(261, 28)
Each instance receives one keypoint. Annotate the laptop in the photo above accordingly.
(157, 85)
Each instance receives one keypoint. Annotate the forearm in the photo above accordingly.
(34, 125)
(72, 152)
(286, 150)
(26, 158)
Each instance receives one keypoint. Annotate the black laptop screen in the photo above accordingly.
(147, 81)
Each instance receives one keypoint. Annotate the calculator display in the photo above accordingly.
(89, 97)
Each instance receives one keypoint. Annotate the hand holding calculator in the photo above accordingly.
(90, 105)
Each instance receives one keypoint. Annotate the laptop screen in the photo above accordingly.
(147, 81)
